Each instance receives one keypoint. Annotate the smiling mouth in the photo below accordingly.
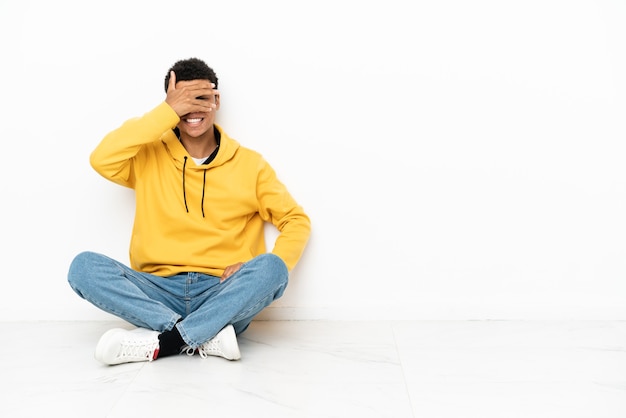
(194, 120)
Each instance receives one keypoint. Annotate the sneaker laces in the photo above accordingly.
(210, 348)
(139, 349)
(224, 344)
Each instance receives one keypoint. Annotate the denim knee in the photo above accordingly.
(272, 267)
(78, 269)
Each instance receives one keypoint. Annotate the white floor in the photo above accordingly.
(320, 369)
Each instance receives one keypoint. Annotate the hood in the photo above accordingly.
(181, 158)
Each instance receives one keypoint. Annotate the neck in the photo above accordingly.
(199, 147)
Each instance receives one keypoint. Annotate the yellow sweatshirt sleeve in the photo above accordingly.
(113, 158)
(279, 207)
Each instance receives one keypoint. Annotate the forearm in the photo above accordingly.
(292, 239)
(113, 156)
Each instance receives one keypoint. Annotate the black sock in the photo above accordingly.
(170, 343)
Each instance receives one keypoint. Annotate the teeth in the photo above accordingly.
(195, 120)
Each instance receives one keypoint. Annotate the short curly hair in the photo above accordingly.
(191, 69)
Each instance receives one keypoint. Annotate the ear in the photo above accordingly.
(217, 101)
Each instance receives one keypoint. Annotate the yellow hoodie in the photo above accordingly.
(199, 218)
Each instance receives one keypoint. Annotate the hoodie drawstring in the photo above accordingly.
(203, 186)
(185, 191)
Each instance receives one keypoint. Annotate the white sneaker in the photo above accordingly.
(119, 345)
(224, 344)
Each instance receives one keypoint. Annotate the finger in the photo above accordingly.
(198, 86)
(172, 84)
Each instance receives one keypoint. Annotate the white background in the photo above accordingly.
(458, 159)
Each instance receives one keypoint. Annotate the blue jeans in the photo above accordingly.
(202, 304)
